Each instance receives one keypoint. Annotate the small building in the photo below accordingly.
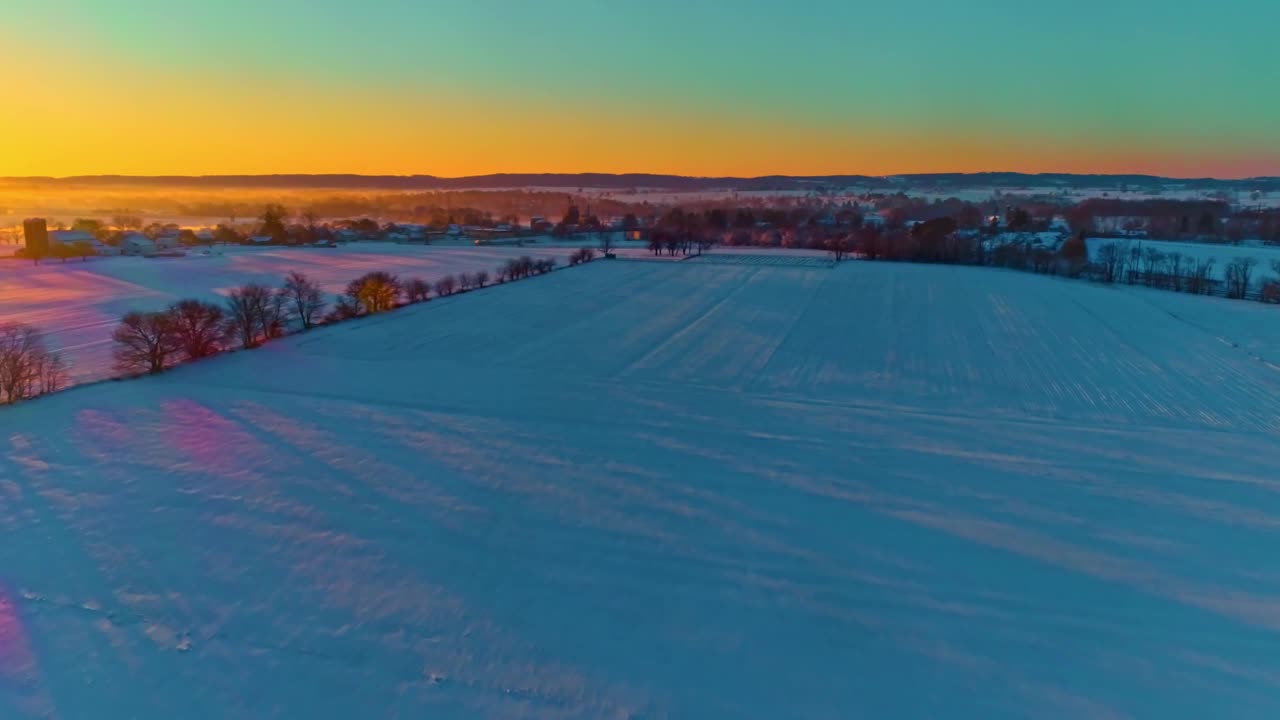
(103, 249)
(413, 232)
(168, 241)
(135, 243)
(260, 239)
(483, 235)
(346, 235)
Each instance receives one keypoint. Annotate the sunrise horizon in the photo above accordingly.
(457, 89)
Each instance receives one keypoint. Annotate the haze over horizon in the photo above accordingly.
(698, 88)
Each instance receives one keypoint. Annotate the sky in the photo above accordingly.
(695, 87)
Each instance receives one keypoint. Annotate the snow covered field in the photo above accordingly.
(79, 304)
(667, 490)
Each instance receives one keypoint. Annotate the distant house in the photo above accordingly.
(168, 241)
(483, 235)
(79, 237)
(136, 243)
(413, 232)
(260, 239)
(101, 248)
(346, 236)
(205, 236)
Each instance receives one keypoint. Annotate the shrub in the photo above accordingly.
(582, 255)
(446, 286)
(417, 290)
(344, 308)
(375, 292)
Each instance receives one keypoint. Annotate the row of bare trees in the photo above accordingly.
(150, 342)
(1149, 266)
(583, 255)
(523, 267)
(27, 367)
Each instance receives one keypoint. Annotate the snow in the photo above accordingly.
(667, 490)
(78, 304)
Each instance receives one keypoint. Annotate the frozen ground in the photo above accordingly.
(667, 490)
(79, 304)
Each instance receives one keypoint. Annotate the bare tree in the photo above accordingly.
(201, 327)
(375, 292)
(305, 298)
(1198, 282)
(1111, 260)
(1173, 270)
(1151, 260)
(606, 242)
(481, 278)
(145, 342)
(417, 290)
(465, 281)
(51, 372)
(27, 367)
(248, 308)
(275, 316)
(1239, 275)
(446, 286)
(839, 245)
(344, 308)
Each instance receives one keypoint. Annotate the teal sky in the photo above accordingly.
(1130, 84)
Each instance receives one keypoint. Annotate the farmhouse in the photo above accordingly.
(136, 243)
(168, 241)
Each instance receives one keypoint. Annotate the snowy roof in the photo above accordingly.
(70, 236)
(260, 239)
